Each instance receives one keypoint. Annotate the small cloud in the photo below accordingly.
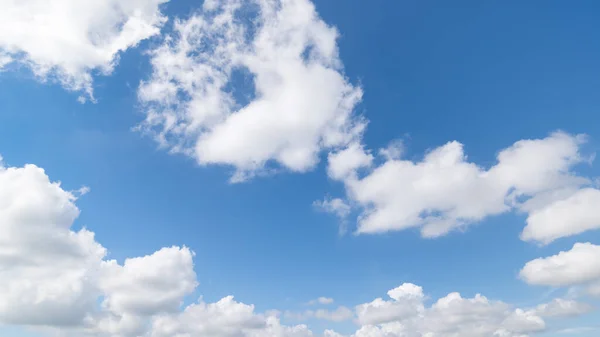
(82, 191)
(337, 207)
(393, 151)
(321, 300)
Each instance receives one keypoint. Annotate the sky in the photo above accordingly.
(288, 168)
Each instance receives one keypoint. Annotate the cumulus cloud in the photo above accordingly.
(578, 266)
(406, 314)
(57, 278)
(69, 39)
(254, 85)
(47, 272)
(406, 301)
(445, 192)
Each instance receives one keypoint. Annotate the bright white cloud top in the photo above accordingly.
(445, 192)
(69, 39)
(301, 102)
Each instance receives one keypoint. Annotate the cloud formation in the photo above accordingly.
(254, 85)
(56, 278)
(59, 279)
(69, 39)
(444, 192)
(405, 314)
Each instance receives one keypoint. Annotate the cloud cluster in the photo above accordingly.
(405, 314)
(54, 277)
(445, 192)
(254, 85)
(68, 39)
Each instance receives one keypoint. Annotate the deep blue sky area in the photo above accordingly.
(484, 73)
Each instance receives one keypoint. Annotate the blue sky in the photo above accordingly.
(483, 74)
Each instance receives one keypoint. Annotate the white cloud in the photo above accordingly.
(47, 272)
(344, 163)
(445, 192)
(223, 318)
(566, 217)
(406, 302)
(69, 39)
(140, 287)
(450, 316)
(58, 279)
(563, 308)
(285, 58)
(321, 300)
(578, 266)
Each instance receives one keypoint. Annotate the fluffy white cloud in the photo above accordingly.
(344, 163)
(451, 316)
(572, 215)
(71, 38)
(56, 278)
(48, 273)
(578, 266)
(223, 318)
(407, 300)
(140, 287)
(295, 100)
(445, 192)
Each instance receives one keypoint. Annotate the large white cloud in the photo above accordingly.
(71, 38)
(575, 267)
(56, 278)
(445, 192)
(47, 272)
(295, 100)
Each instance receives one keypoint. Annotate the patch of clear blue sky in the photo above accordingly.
(485, 73)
